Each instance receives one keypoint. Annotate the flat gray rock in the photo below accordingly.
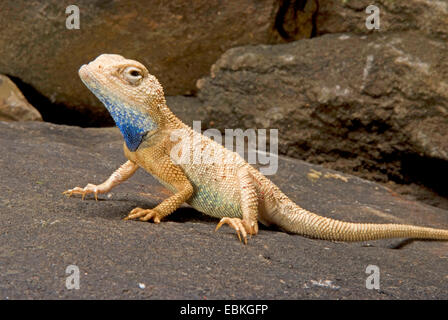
(43, 232)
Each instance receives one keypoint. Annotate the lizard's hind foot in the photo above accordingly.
(239, 226)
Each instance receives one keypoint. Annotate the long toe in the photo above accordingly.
(235, 223)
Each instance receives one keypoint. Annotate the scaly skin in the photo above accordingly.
(227, 188)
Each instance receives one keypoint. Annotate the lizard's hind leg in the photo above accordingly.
(249, 206)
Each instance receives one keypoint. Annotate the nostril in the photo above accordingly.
(100, 66)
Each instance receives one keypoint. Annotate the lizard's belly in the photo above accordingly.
(214, 194)
(215, 203)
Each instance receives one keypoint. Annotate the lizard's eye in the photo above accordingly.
(132, 74)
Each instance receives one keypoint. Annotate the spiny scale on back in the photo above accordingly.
(231, 190)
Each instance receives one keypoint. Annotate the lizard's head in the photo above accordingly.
(131, 95)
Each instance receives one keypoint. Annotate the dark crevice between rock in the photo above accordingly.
(429, 172)
(288, 21)
(59, 113)
(412, 175)
(314, 21)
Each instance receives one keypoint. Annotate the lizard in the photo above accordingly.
(232, 190)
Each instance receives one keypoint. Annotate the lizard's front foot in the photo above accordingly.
(239, 225)
(144, 215)
(89, 188)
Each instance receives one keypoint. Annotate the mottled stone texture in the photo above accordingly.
(430, 17)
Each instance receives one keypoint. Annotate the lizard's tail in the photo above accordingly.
(309, 224)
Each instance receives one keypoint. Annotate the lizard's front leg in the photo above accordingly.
(171, 174)
(249, 207)
(121, 174)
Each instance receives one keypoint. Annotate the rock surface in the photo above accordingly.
(177, 41)
(13, 105)
(43, 232)
(376, 105)
(429, 17)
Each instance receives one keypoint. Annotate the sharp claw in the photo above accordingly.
(218, 226)
(67, 193)
(149, 216)
(96, 196)
(238, 233)
(128, 217)
(237, 225)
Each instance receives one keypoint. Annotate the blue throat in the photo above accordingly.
(133, 124)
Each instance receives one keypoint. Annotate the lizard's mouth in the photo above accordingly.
(87, 77)
(83, 72)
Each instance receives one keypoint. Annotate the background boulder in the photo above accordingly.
(13, 105)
